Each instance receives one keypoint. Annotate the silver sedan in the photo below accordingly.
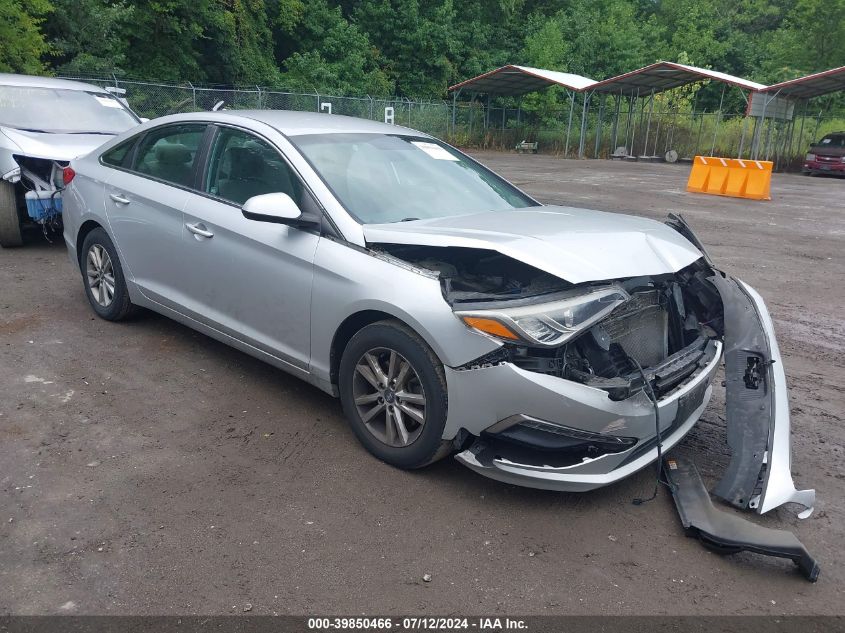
(451, 313)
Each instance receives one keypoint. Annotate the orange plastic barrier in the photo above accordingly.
(734, 177)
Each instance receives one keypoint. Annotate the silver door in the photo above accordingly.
(249, 279)
(144, 206)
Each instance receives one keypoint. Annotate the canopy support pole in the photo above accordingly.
(569, 124)
(801, 128)
(615, 130)
(635, 125)
(599, 126)
(582, 140)
(718, 119)
(648, 124)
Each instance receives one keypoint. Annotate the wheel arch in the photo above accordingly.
(82, 233)
(353, 324)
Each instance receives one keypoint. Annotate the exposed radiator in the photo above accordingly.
(641, 327)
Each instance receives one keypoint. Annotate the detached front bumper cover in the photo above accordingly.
(759, 475)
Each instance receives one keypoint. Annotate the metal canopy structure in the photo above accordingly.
(627, 106)
(513, 80)
(666, 76)
(811, 86)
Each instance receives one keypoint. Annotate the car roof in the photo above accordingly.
(31, 81)
(292, 123)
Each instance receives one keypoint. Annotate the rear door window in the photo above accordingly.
(170, 153)
(117, 156)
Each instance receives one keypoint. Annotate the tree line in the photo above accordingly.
(412, 48)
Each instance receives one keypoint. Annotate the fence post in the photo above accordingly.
(193, 95)
(700, 129)
(742, 138)
(718, 118)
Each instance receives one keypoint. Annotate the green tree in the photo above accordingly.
(22, 44)
(88, 36)
(165, 37)
(237, 44)
(332, 55)
(416, 43)
(811, 39)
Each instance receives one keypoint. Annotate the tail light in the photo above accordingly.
(67, 175)
(810, 157)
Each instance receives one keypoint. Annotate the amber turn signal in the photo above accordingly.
(490, 326)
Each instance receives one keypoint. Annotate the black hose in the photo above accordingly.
(650, 393)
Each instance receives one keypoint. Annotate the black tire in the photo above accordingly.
(11, 234)
(391, 335)
(120, 307)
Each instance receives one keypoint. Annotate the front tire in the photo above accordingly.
(102, 274)
(10, 221)
(393, 392)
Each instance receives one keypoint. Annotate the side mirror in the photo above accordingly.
(278, 208)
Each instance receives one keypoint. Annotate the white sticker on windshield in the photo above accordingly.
(108, 102)
(434, 150)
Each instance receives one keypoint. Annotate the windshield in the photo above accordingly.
(833, 140)
(62, 111)
(390, 178)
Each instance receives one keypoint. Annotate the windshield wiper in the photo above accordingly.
(408, 219)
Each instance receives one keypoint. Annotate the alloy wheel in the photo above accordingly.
(100, 275)
(389, 397)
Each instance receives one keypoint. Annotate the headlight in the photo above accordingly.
(547, 324)
(810, 157)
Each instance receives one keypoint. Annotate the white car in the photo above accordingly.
(45, 122)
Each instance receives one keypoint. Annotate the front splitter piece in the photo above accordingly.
(727, 533)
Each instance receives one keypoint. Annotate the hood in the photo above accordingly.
(54, 146)
(577, 245)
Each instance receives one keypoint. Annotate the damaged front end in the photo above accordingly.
(611, 370)
(40, 182)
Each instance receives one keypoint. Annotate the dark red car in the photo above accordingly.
(827, 156)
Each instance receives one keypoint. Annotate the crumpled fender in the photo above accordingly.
(759, 475)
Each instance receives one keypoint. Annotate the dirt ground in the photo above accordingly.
(146, 469)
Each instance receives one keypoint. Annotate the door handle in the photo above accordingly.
(199, 229)
(119, 199)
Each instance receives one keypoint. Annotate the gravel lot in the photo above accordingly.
(146, 469)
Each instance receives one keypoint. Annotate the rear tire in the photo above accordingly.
(102, 274)
(393, 391)
(10, 221)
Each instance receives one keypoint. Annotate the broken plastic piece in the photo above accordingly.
(727, 533)
(759, 474)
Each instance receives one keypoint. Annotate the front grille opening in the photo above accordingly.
(640, 327)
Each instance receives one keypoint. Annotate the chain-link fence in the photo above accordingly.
(601, 128)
